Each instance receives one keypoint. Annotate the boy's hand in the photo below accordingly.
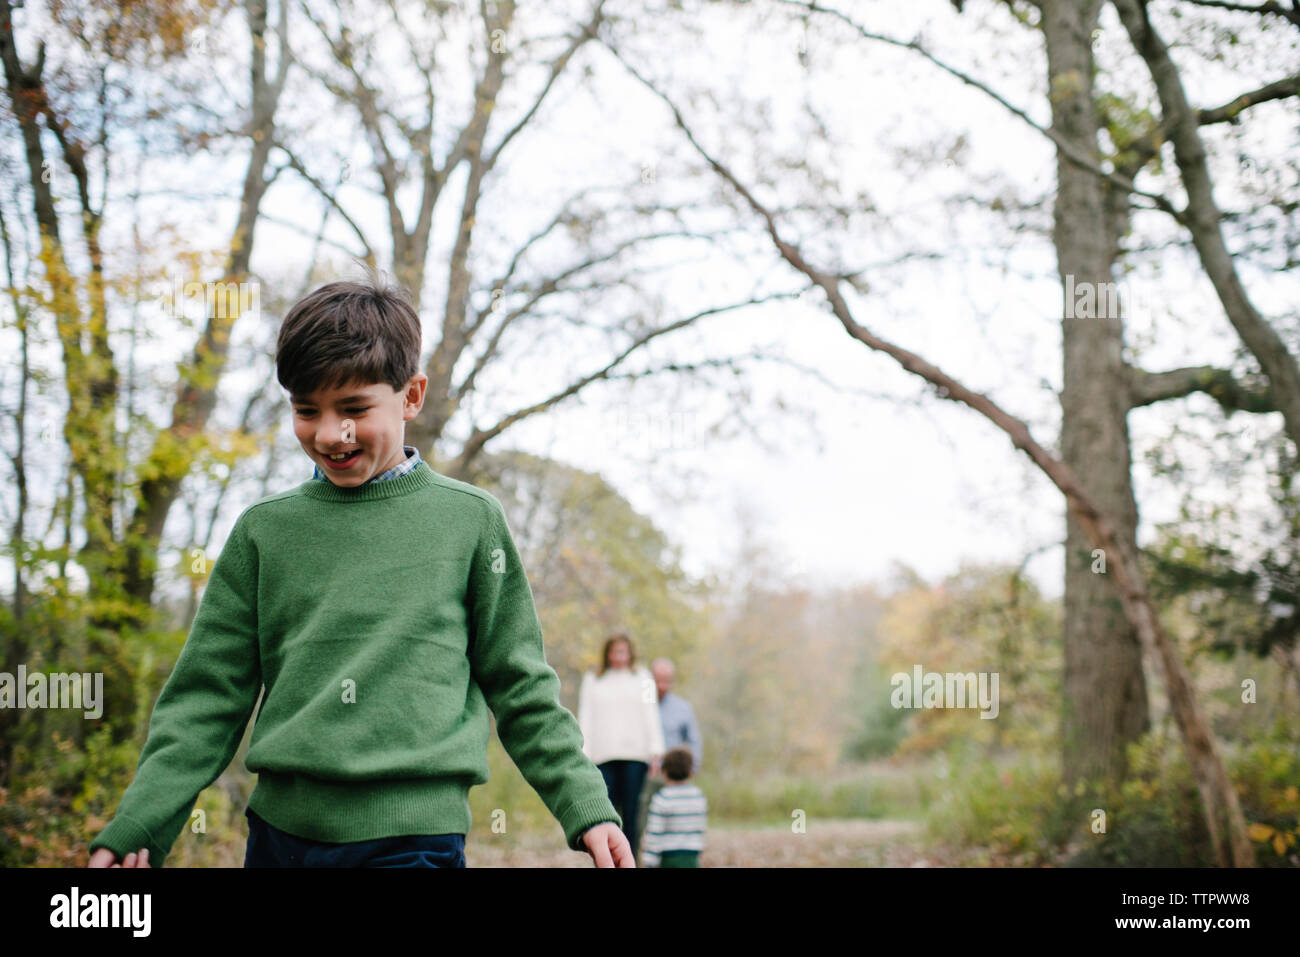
(103, 857)
(608, 846)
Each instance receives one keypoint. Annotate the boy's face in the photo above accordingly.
(367, 420)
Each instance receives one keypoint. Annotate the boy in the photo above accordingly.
(385, 609)
(679, 812)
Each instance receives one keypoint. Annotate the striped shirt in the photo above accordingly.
(401, 468)
(676, 822)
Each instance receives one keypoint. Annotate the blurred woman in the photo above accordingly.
(618, 711)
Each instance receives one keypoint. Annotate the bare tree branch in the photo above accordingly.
(480, 437)
(296, 165)
(1067, 148)
(1204, 221)
(1270, 7)
(557, 67)
(1145, 147)
(366, 100)
(1146, 388)
(549, 286)
(1277, 90)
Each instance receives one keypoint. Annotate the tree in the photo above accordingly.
(1105, 692)
(82, 121)
(176, 447)
(595, 565)
(1180, 124)
(498, 304)
(979, 619)
(1221, 806)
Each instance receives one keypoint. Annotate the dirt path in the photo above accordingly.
(826, 843)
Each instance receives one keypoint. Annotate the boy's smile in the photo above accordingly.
(368, 421)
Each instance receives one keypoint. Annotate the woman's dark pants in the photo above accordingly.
(623, 781)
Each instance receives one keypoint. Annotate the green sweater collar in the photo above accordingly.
(419, 477)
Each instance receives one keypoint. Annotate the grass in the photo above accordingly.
(871, 791)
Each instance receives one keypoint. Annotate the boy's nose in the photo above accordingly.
(330, 431)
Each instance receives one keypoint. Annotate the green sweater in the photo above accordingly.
(384, 620)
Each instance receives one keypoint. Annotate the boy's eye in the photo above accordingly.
(355, 411)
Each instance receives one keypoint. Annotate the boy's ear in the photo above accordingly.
(415, 390)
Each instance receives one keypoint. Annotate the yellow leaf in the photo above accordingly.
(1279, 845)
(1259, 832)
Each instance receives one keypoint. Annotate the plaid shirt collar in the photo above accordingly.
(401, 468)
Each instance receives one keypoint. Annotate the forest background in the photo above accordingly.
(735, 306)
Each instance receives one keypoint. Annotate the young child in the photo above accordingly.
(679, 813)
(384, 608)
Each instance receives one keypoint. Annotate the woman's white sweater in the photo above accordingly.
(618, 713)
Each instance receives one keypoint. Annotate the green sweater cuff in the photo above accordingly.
(124, 836)
(584, 815)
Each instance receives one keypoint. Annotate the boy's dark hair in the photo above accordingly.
(678, 763)
(610, 642)
(344, 332)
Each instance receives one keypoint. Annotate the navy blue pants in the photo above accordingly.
(268, 846)
(623, 781)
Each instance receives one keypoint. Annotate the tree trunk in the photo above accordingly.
(171, 460)
(1105, 705)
